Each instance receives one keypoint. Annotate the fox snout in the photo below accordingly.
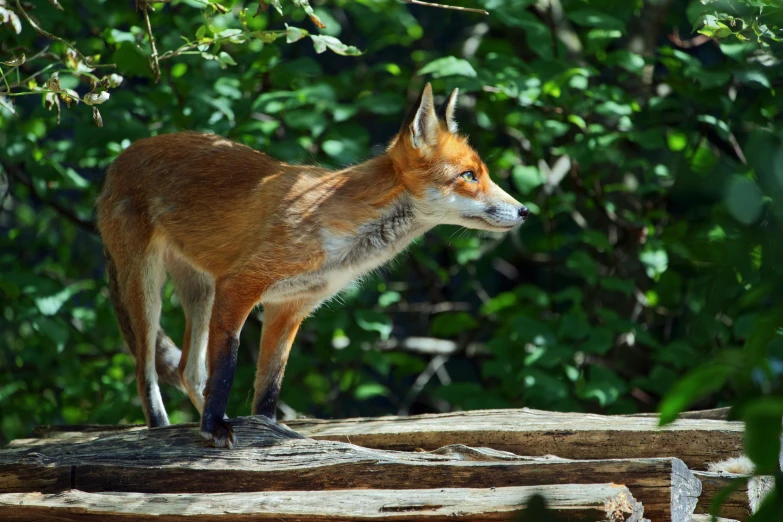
(501, 211)
(518, 214)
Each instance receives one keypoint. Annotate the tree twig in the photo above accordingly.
(154, 64)
(445, 6)
(37, 28)
(17, 174)
(436, 363)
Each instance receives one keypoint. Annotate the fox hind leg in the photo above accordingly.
(140, 286)
(196, 290)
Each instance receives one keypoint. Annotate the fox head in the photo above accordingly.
(449, 182)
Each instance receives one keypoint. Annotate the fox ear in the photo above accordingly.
(421, 121)
(446, 111)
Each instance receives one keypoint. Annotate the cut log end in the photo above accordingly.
(686, 490)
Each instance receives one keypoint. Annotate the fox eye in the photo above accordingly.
(469, 175)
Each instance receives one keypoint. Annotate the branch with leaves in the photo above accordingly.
(748, 22)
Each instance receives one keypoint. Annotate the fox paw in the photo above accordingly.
(219, 435)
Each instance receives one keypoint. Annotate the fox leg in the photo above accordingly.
(140, 285)
(234, 299)
(281, 322)
(196, 291)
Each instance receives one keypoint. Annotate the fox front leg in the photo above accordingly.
(281, 322)
(234, 299)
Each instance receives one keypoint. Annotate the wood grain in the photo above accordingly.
(583, 502)
(741, 502)
(522, 431)
(708, 518)
(271, 457)
(537, 433)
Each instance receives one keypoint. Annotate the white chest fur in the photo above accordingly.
(350, 256)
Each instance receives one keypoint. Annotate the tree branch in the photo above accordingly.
(444, 6)
(154, 64)
(37, 28)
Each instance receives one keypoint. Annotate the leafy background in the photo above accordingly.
(645, 136)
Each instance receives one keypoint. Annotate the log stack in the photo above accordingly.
(479, 465)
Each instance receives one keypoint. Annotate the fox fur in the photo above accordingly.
(234, 227)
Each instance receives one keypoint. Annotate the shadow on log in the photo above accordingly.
(524, 432)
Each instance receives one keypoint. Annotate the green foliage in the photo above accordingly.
(651, 157)
(760, 20)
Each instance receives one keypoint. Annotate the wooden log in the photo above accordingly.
(582, 502)
(708, 518)
(741, 502)
(538, 433)
(272, 458)
(713, 414)
(523, 432)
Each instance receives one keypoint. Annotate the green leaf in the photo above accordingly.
(677, 140)
(595, 18)
(54, 330)
(576, 119)
(321, 42)
(583, 264)
(602, 385)
(765, 327)
(599, 342)
(451, 324)
(50, 305)
(294, 34)
(448, 66)
(573, 326)
(715, 29)
(526, 178)
(276, 4)
(762, 433)
(753, 76)
(372, 321)
(225, 59)
(369, 390)
(694, 386)
(389, 298)
(744, 200)
(629, 61)
(655, 261)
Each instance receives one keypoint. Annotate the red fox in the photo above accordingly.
(234, 228)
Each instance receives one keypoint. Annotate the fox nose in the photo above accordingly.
(523, 212)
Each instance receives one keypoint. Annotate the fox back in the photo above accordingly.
(234, 228)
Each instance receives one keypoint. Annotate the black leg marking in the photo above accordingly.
(157, 416)
(154, 412)
(214, 430)
(266, 404)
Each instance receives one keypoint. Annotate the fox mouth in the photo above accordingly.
(490, 224)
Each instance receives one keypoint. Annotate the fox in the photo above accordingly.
(233, 228)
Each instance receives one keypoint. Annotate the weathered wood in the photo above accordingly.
(582, 502)
(708, 518)
(272, 458)
(523, 432)
(537, 433)
(713, 414)
(742, 502)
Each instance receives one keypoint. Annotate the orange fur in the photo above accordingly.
(235, 227)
